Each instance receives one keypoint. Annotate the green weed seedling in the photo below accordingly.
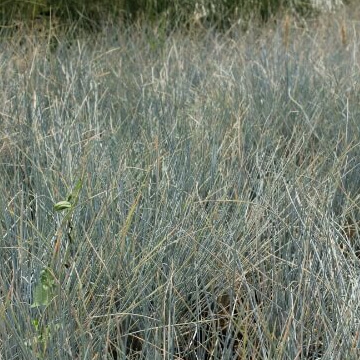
(45, 291)
(46, 286)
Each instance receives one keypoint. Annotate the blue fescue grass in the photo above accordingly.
(218, 214)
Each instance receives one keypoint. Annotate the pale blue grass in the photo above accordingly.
(217, 175)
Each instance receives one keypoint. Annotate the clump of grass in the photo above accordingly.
(219, 186)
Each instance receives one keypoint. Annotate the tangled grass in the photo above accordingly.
(218, 215)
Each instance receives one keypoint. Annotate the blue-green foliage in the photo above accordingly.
(218, 174)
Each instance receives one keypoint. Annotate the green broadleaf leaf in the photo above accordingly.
(44, 289)
(62, 205)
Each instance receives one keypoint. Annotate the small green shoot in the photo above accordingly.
(45, 289)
